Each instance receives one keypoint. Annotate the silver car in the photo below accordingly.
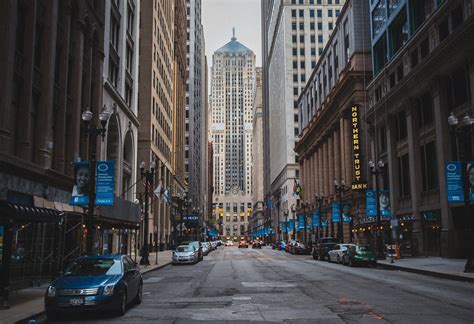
(185, 254)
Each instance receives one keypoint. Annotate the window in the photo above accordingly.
(458, 87)
(114, 32)
(425, 110)
(379, 17)
(295, 91)
(311, 12)
(401, 126)
(320, 13)
(398, 32)
(330, 13)
(346, 41)
(293, 13)
(301, 13)
(380, 55)
(429, 166)
(404, 175)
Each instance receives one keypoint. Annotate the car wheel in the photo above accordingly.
(138, 298)
(122, 307)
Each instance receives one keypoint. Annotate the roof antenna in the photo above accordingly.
(233, 34)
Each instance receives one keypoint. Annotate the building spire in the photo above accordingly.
(233, 34)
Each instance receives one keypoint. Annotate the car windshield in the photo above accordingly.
(94, 267)
(184, 249)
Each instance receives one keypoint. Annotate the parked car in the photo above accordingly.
(206, 248)
(243, 244)
(335, 255)
(256, 245)
(359, 254)
(95, 283)
(289, 246)
(282, 246)
(300, 248)
(197, 245)
(185, 254)
(229, 243)
(323, 246)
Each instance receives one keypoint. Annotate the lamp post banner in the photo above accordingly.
(300, 221)
(470, 179)
(80, 191)
(105, 173)
(454, 184)
(346, 212)
(384, 203)
(324, 218)
(371, 203)
(316, 218)
(336, 212)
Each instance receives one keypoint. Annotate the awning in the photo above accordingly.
(14, 212)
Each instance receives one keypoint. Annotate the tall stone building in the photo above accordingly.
(196, 109)
(294, 33)
(232, 80)
(156, 107)
(52, 68)
(257, 154)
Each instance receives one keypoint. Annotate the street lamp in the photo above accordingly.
(377, 170)
(93, 132)
(340, 188)
(462, 133)
(293, 210)
(320, 200)
(148, 175)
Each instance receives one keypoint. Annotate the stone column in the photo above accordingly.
(331, 148)
(7, 65)
(325, 168)
(415, 172)
(337, 157)
(320, 169)
(348, 150)
(392, 167)
(44, 120)
(443, 153)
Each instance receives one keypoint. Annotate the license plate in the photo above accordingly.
(76, 301)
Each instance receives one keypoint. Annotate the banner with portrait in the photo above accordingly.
(346, 211)
(384, 203)
(80, 190)
(324, 218)
(470, 180)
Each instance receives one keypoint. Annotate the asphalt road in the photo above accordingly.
(245, 285)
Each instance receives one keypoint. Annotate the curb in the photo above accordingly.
(34, 316)
(426, 272)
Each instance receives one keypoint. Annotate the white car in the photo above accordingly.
(229, 243)
(335, 255)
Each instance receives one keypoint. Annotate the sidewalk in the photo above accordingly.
(432, 266)
(28, 302)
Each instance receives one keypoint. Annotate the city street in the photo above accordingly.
(266, 285)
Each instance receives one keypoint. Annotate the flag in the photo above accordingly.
(297, 188)
(157, 191)
(148, 186)
(166, 196)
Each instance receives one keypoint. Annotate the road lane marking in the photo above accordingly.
(267, 284)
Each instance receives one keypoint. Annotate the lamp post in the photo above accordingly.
(93, 132)
(304, 205)
(320, 200)
(376, 170)
(286, 223)
(293, 210)
(340, 188)
(462, 132)
(148, 175)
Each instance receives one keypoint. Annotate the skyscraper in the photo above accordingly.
(232, 80)
(293, 37)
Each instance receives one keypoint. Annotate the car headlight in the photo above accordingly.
(109, 290)
(51, 291)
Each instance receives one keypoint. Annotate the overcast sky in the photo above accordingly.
(218, 18)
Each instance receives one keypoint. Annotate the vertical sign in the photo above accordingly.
(300, 221)
(336, 212)
(80, 190)
(324, 218)
(357, 183)
(384, 203)
(346, 212)
(104, 192)
(316, 218)
(470, 179)
(308, 223)
(371, 203)
(454, 185)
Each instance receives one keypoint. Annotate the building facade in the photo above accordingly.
(196, 109)
(156, 110)
(423, 72)
(232, 85)
(294, 33)
(257, 219)
(53, 71)
(333, 143)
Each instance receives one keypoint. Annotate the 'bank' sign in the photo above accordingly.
(357, 184)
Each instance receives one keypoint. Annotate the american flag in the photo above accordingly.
(147, 184)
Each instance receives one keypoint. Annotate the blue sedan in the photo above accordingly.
(95, 283)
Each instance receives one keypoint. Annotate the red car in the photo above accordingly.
(243, 244)
(300, 248)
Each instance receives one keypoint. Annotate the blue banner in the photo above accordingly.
(346, 212)
(80, 191)
(324, 218)
(371, 203)
(283, 227)
(104, 192)
(454, 184)
(336, 212)
(470, 179)
(300, 222)
(384, 203)
(316, 218)
(291, 226)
